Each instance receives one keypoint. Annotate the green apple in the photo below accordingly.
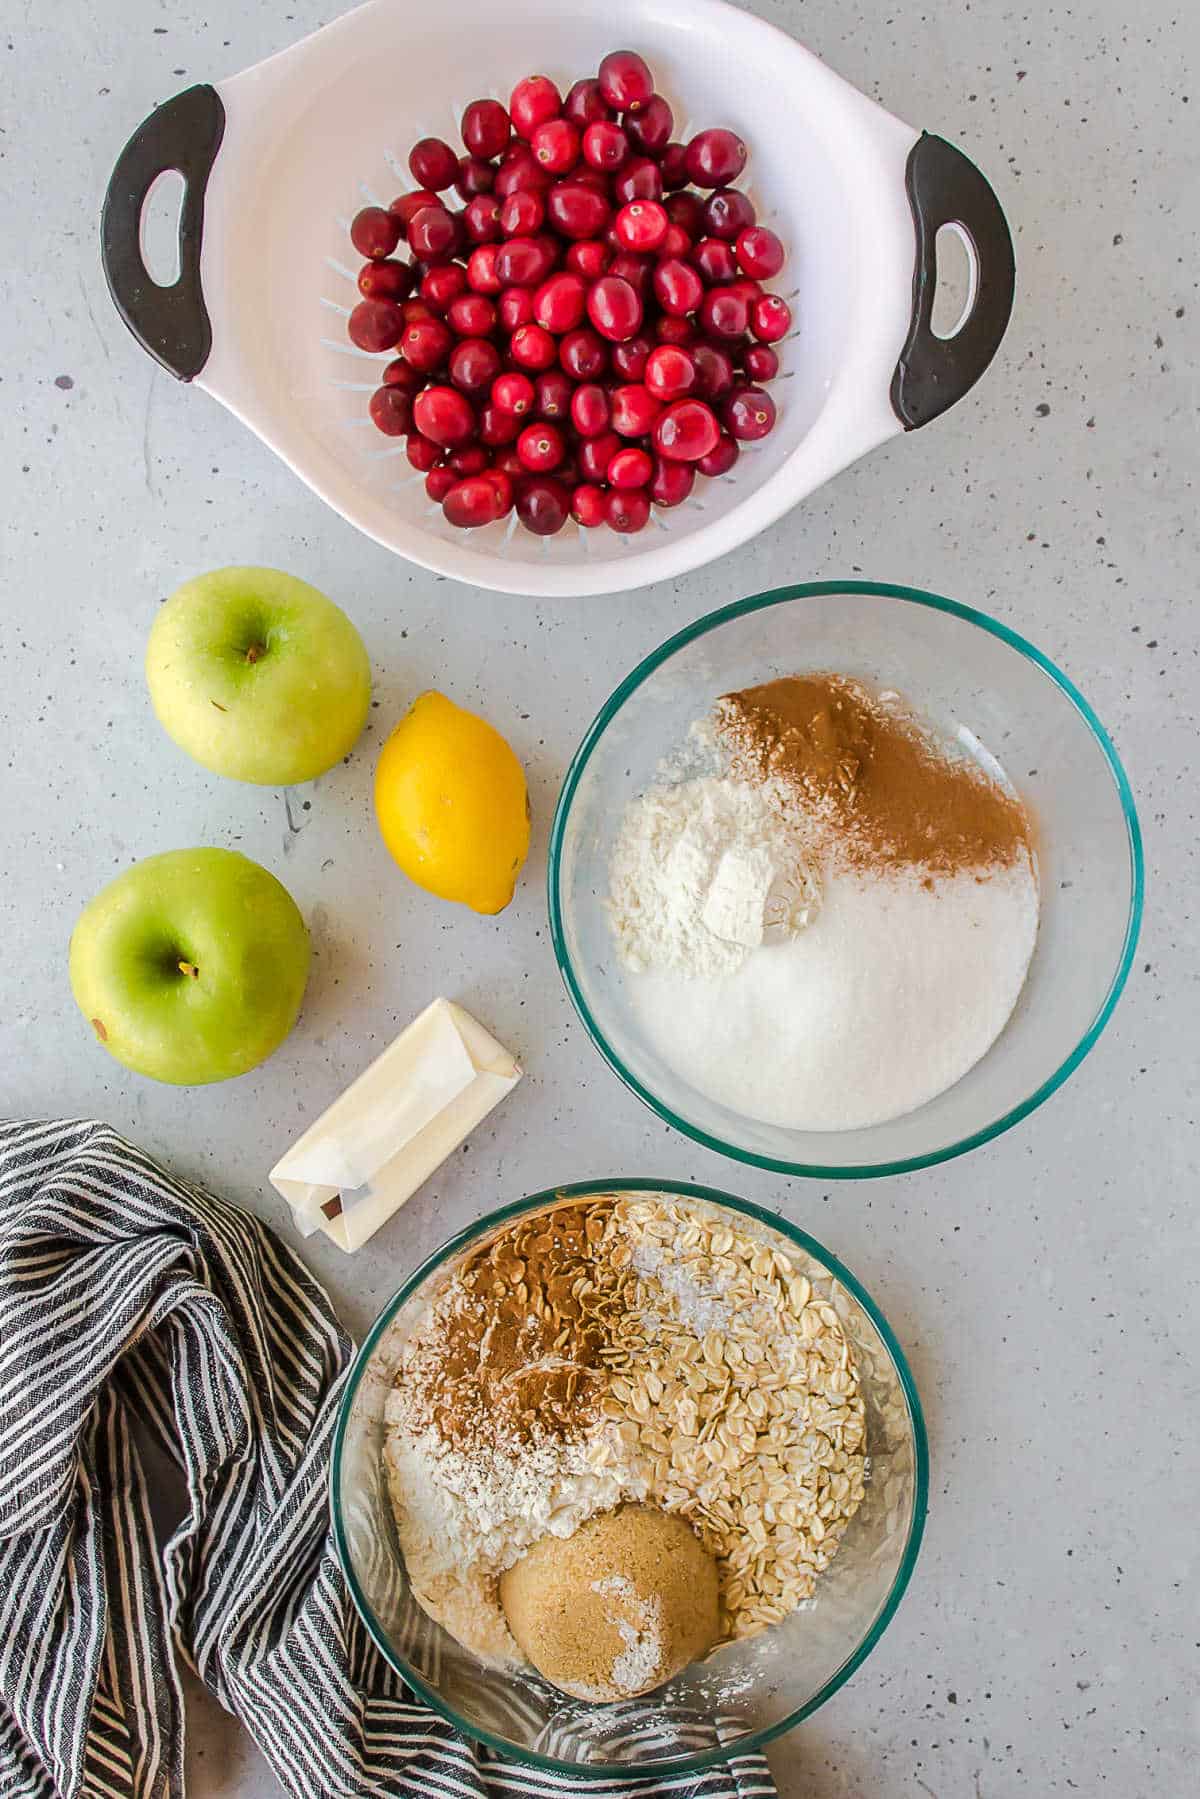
(258, 676)
(190, 967)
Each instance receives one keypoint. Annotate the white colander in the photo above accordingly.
(277, 159)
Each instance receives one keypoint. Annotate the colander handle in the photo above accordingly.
(184, 134)
(945, 188)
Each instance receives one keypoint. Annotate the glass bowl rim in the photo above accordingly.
(752, 1740)
(775, 596)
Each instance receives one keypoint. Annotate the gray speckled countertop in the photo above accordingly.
(1045, 1288)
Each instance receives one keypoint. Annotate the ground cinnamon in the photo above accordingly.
(516, 1354)
(881, 792)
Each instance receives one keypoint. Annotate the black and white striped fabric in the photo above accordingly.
(130, 1301)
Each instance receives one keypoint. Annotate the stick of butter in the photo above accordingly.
(394, 1125)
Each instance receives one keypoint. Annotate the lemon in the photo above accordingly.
(452, 804)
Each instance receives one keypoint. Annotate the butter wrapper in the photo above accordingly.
(394, 1125)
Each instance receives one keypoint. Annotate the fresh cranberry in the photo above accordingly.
(543, 505)
(750, 291)
(576, 209)
(587, 176)
(630, 468)
(678, 287)
(481, 219)
(588, 258)
(433, 163)
(590, 409)
(502, 487)
(438, 483)
(433, 233)
(670, 330)
(760, 362)
(521, 262)
(514, 308)
(770, 319)
(426, 344)
(686, 211)
(724, 314)
(627, 510)
(444, 416)
(605, 145)
(613, 307)
(673, 166)
(442, 285)
(385, 280)
(638, 180)
(522, 213)
(474, 364)
(637, 270)
(416, 309)
(760, 252)
(625, 80)
(471, 315)
(715, 260)
(583, 354)
(376, 325)
(749, 413)
(422, 452)
(587, 505)
(672, 482)
(509, 463)
(532, 347)
(481, 270)
(670, 372)
(585, 103)
(485, 128)
(408, 204)
(727, 212)
(520, 172)
(714, 371)
(374, 232)
(559, 304)
(469, 461)
(391, 411)
(641, 226)
(676, 242)
(474, 177)
(595, 454)
(650, 126)
(715, 158)
(554, 392)
(403, 375)
(556, 145)
(514, 393)
(634, 410)
(541, 448)
(533, 101)
(497, 427)
(721, 459)
(472, 502)
(687, 430)
(630, 358)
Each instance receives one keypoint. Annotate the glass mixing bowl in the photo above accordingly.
(960, 668)
(747, 1692)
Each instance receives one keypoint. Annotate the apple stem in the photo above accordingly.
(190, 968)
(254, 652)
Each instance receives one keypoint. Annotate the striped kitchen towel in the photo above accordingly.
(129, 1298)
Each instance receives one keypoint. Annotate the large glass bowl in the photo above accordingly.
(960, 668)
(746, 1693)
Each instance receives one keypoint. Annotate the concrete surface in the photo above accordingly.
(1045, 1288)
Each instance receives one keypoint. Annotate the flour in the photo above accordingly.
(889, 997)
(703, 871)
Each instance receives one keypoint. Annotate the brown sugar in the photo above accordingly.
(617, 1608)
(881, 792)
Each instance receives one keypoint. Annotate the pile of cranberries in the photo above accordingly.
(588, 331)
